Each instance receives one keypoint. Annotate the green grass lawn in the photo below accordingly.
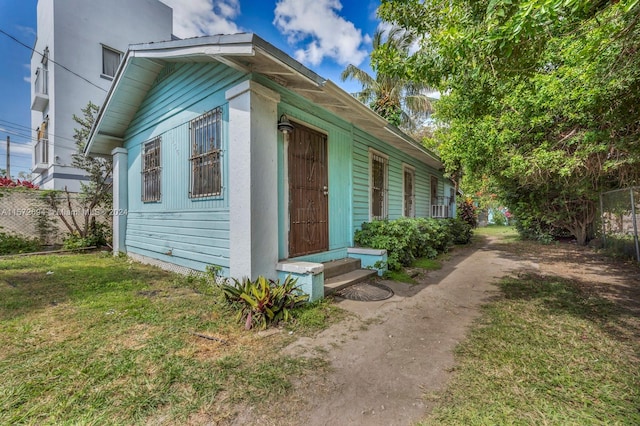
(92, 339)
(549, 353)
(506, 233)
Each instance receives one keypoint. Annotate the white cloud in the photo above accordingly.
(17, 149)
(27, 78)
(26, 31)
(21, 149)
(192, 18)
(323, 32)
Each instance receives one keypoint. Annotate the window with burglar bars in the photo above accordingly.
(206, 141)
(151, 170)
(409, 192)
(379, 203)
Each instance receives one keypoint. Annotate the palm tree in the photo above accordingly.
(398, 100)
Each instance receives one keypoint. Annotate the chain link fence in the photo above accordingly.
(31, 214)
(619, 214)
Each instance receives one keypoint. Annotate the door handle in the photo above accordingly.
(325, 190)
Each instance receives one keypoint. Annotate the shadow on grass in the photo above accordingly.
(562, 296)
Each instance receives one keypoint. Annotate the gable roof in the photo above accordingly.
(247, 53)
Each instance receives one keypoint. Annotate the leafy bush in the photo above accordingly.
(15, 244)
(620, 246)
(407, 239)
(99, 235)
(461, 230)
(263, 302)
(535, 230)
(467, 212)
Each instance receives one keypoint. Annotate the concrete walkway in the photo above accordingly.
(390, 354)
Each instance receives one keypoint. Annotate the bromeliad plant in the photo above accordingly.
(263, 302)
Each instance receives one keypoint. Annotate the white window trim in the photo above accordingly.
(412, 170)
(385, 207)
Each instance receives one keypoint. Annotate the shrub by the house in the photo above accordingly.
(263, 302)
(407, 239)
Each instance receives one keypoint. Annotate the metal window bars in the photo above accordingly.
(151, 170)
(206, 170)
(379, 199)
(409, 193)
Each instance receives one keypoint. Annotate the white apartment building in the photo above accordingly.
(78, 48)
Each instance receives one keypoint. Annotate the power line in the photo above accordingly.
(22, 128)
(60, 65)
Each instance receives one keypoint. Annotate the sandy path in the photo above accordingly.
(391, 353)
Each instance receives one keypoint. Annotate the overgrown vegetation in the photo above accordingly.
(407, 239)
(93, 339)
(547, 352)
(15, 244)
(540, 98)
(11, 242)
(620, 246)
(263, 302)
(82, 214)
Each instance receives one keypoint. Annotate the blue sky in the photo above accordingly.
(325, 35)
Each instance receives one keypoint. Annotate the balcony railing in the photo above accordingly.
(41, 90)
(441, 207)
(41, 155)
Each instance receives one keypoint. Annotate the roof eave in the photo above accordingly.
(226, 48)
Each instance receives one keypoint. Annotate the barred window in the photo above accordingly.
(379, 170)
(409, 192)
(206, 140)
(151, 170)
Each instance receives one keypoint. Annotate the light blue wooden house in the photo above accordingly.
(229, 152)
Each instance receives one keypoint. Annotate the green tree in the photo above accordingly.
(402, 102)
(95, 194)
(541, 96)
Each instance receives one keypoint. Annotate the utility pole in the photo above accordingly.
(8, 157)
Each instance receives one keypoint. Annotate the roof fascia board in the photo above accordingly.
(200, 50)
(116, 82)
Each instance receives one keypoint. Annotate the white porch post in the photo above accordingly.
(253, 180)
(120, 199)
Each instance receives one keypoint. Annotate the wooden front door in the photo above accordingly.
(308, 192)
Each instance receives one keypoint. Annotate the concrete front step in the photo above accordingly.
(339, 282)
(340, 266)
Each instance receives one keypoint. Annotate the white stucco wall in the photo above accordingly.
(253, 179)
(75, 31)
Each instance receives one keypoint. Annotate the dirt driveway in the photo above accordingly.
(387, 358)
(391, 353)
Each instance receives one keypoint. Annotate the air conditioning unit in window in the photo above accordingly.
(439, 211)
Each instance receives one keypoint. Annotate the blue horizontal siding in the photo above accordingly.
(190, 90)
(190, 232)
(397, 159)
(198, 236)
